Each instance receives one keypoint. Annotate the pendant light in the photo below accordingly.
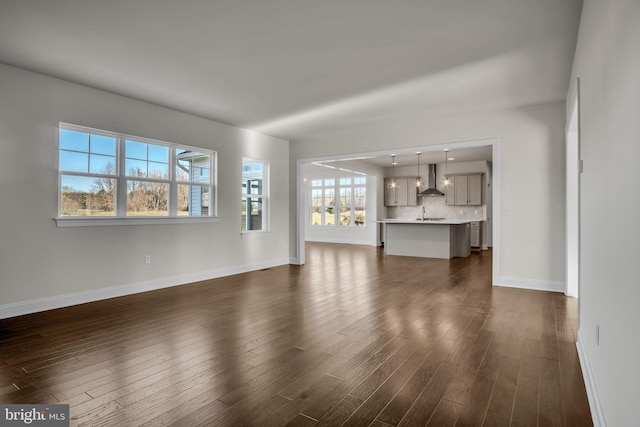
(393, 171)
(393, 179)
(418, 183)
(446, 166)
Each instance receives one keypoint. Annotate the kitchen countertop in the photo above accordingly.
(445, 221)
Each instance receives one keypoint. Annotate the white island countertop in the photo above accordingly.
(446, 221)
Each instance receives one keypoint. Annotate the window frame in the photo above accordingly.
(121, 177)
(264, 195)
(336, 185)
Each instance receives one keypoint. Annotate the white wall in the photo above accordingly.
(58, 266)
(607, 61)
(531, 168)
(572, 220)
(367, 235)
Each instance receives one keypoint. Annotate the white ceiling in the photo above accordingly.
(290, 68)
(409, 157)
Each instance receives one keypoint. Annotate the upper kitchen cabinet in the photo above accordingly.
(464, 190)
(404, 193)
(474, 190)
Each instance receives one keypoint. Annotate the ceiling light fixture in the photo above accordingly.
(446, 166)
(393, 171)
(418, 183)
(394, 185)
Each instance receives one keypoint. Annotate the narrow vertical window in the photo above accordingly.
(254, 195)
(329, 202)
(359, 211)
(193, 174)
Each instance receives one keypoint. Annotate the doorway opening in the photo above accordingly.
(494, 188)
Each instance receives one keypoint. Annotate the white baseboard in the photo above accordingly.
(533, 284)
(592, 391)
(344, 241)
(58, 301)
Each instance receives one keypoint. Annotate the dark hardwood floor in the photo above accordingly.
(354, 337)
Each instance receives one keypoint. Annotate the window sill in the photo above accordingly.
(254, 234)
(101, 222)
(353, 227)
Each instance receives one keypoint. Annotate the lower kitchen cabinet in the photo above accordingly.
(476, 234)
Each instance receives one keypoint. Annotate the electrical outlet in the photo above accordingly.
(147, 259)
(597, 334)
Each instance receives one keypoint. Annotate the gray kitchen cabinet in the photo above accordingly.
(474, 190)
(461, 190)
(464, 190)
(476, 234)
(404, 193)
(449, 193)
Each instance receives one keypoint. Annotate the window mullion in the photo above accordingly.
(336, 203)
(324, 208)
(173, 184)
(121, 185)
(352, 208)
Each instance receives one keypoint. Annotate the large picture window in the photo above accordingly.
(340, 202)
(254, 195)
(105, 174)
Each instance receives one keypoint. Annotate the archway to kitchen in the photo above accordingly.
(493, 215)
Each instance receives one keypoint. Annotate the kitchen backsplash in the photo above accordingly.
(435, 207)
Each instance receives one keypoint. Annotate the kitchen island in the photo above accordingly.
(445, 238)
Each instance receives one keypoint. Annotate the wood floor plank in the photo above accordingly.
(504, 390)
(340, 412)
(446, 414)
(382, 373)
(550, 410)
(476, 403)
(428, 400)
(407, 395)
(525, 406)
(378, 400)
(301, 421)
(317, 408)
(575, 402)
(354, 337)
(290, 410)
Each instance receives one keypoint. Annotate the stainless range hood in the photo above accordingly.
(431, 183)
